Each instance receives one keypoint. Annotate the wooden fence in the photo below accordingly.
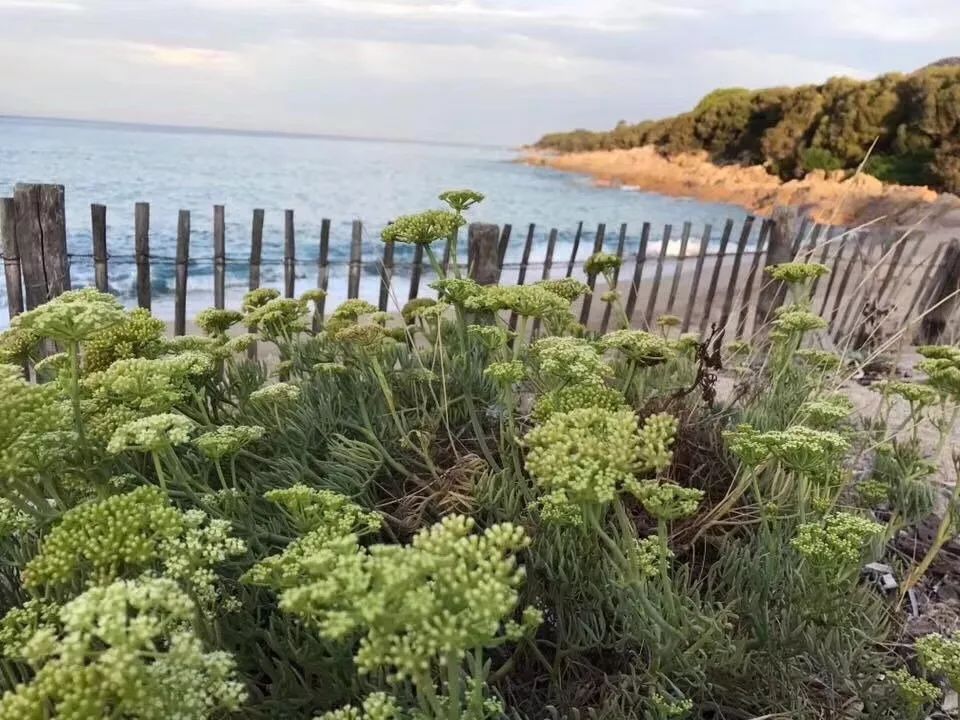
(714, 277)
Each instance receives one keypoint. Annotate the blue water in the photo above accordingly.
(318, 178)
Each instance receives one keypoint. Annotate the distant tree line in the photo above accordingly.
(915, 119)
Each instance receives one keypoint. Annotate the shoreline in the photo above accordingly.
(826, 197)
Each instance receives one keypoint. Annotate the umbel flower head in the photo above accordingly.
(571, 397)
(942, 367)
(378, 706)
(915, 692)
(797, 448)
(666, 501)
(568, 288)
(570, 360)
(525, 300)
(795, 273)
(216, 322)
(277, 318)
(835, 546)
(277, 393)
(506, 373)
(584, 456)
(124, 650)
(638, 346)
(941, 655)
(461, 200)
(18, 345)
(423, 228)
(227, 440)
(491, 337)
(424, 605)
(413, 309)
(73, 316)
(258, 298)
(34, 425)
(797, 320)
(826, 412)
(138, 335)
(152, 433)
(314, 509)
(917, 394)
(456, 291)
(127, 535)
(601, 263)
(821, 359)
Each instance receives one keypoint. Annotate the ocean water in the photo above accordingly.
(335, 178)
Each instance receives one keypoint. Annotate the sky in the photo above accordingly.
(485, 71)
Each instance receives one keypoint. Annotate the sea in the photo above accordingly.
(343, 179)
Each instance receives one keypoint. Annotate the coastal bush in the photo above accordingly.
(432, 514)
(911, 122)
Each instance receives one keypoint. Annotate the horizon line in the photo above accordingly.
(212, 130)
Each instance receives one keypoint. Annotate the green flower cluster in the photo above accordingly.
(668, 321)
(638, 346)
(258, 298)
(378, 706)
(423, 605)
(147, 385)
(278, 318)
(570, 360)
(17, 346)
(821, 359)
(362, 338)
(796, 320)
(916, 394)
(126, 535)
(666, 708)
(34, 425)
(507, 373)
(568, 288)
(585, 456)
(491, 337)
(461, 200)
(797, 448)
(423, 228)
(73, 316)
(276, 394)
(941, 655)
(648, 554)
(915, 692)
(138, 335)
(151, 433)
(658, 433)
(795, 273)
(532, 301)
(347, 314)
(216, 322)
(666, 501)
(580, 395)
(601, 263)
(124, 650)
(12, 519)
(413, 309)
(240, 344)
(738, 348)
(315, 296)
(835, 546)
(312, 509)
(827, 412)
(227, 440)
(942, 367)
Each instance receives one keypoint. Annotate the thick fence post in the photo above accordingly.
(289, 255)
(219, 257)
(98, 230)
(41, 233)
(483, 241)
(11, 257)
(942, 299)
(142, 243)
(356, 260)
(780, 249)
(183, 258)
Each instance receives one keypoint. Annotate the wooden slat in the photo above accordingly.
(547, 267)
(323, 266)
(923, 288)
(765, 230)
(524, 261)
(695, 283)
(592, 279)
(98, 233)
(893, 265)
(678, 267)
(853, 306)
(26, 200)
(621, 242)
(142, 249)
(844, 281)
(289, 255)
(502, 247)
(804, 228)
(356, 260)
(256, 254)
(183, 259)
(386, 274)
(735, 270)
(638, 271)
(219, 256)
(832, 277)
(812, 244)
(53, 225)
(715, 276)
(657, 277)
(828, 245)
(576, 247)
(416, 271)
(11, 258)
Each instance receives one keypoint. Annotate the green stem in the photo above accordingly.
(73, 351)
(453, 687)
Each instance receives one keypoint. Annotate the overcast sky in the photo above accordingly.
(488, 71)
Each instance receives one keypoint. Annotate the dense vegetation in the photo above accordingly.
(430, 516)
(915, 120)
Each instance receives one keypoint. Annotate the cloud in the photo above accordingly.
(42, 5)
(183, 57)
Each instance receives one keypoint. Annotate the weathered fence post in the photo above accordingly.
(256, 250)
(942, 298)
(289, 255)
(98, 230)
(219, 257)
(483, 248)
(780, 249)
(41, 233)
(142, 243)
(11, 257)
(356, 260)
(183, 258)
